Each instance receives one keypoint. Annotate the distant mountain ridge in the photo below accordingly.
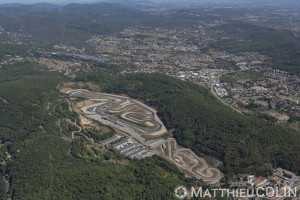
(45, 22)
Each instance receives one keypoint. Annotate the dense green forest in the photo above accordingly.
(12, 49)
(41, 166)
(3, 195)
(244, 143)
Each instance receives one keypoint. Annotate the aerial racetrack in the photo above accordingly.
(188, 162)
(138, 120)
(122, 111)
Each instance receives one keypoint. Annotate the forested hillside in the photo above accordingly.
(41, 166)
(244, 143)
(12, 49)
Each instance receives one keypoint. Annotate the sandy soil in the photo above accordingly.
(85, 103)
(150, 124)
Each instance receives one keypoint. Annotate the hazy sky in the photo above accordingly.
(46, 1)
(94, 1)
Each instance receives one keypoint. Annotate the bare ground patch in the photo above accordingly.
(82, 104)
(67, 86)
(4, 101)
(56, 64)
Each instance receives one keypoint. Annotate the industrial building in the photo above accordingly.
(120, 143)
(109, 140)
(286, 173)
(130, 150)
(136, 152)
(125, 147)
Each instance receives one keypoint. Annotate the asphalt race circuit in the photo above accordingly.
(188, 162)
(138, 120)
(122, 111)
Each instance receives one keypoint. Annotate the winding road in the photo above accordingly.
(112, 104)
(188, 162)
